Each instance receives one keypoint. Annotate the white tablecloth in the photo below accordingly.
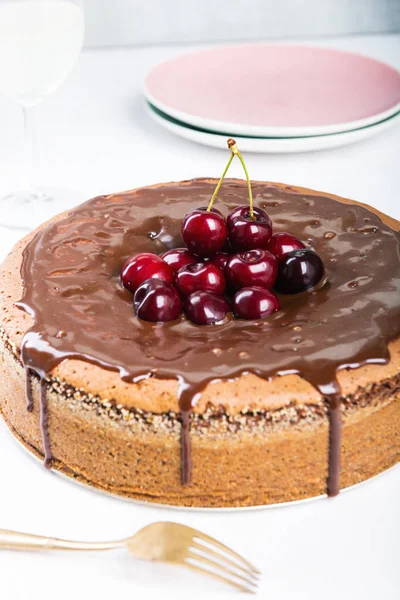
(96, 138)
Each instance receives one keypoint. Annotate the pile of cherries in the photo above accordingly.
(227, 266)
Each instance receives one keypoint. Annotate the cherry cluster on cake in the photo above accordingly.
(228, 266)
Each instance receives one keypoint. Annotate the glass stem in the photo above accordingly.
(31, 149)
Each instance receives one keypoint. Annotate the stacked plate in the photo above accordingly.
(274, 97)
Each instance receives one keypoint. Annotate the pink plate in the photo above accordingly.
(274, 89)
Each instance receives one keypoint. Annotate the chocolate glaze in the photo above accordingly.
(70, 272)
(44, 425)
(186, 454)
(28, 390)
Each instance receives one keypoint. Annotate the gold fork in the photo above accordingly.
(165, 542)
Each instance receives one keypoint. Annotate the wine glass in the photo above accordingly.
(40, 41)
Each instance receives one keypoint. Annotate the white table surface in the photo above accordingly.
(96, 138)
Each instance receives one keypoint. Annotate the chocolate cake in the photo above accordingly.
(239, 413)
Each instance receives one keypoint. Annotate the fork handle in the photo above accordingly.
(14, 540)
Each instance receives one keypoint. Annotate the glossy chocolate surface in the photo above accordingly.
(71, 281)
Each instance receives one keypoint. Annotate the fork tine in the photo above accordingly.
(212, 563)
(225, 559)
(206, 538)
(208, 573)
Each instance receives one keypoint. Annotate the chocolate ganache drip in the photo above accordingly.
(72, 289)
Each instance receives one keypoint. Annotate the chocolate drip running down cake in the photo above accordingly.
(235, 414)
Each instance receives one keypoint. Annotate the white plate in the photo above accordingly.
(270, 145)
(274, 90)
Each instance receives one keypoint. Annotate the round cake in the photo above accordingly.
(240, 413)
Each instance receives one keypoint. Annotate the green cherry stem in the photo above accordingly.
(233, 146)
(220, 182)
(234, 152)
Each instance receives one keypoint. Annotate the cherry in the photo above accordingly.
(254, 267)
(204, 232)
(282, 243)
(178, 257)
(157, 300)
(214, 210)
(254, 303)
(142, 266)
(205, 308)
(200, 277)
(220, 260)
(247, 232)
(300, 270)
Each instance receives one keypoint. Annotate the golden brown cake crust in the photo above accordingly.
(140, 457)
(139, 444)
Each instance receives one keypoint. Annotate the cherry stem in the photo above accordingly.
(235, 151)
(240, 157)
(220, 182)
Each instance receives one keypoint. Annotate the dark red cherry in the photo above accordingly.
(254, 303)
(204, 277)
(204, 233)
(282, 243)
(178, 258)
(300, 270)
(205, 308)
(156, 300)
(144, 266)
(254, 267)
(213, 209)
(246, 233)
(220, 260)
(243, 212)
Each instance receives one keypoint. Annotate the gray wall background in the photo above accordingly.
(126, 22)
